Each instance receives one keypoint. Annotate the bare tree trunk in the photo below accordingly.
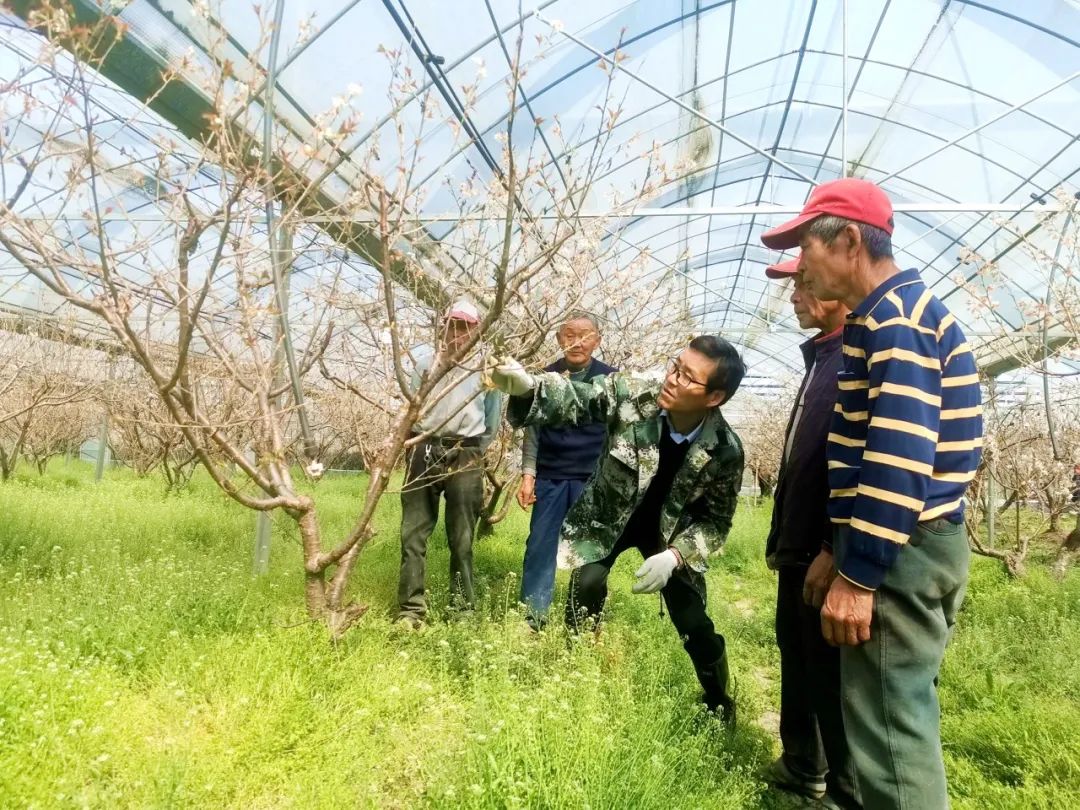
(314, 584)
(1052, 508)
(1009, 501)
(1013, 561)
(493, 512)
(765, 485)
(985, 551)
(1068, 550)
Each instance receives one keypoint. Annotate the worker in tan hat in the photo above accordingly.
(905, 441)
(447, 463)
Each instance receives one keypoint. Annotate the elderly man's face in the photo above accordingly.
(827, 268)
(578, 339)
(458, 333)
(811, 312)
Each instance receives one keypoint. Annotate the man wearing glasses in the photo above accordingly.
(666, 484)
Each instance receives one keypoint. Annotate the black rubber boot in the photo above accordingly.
(715, 680)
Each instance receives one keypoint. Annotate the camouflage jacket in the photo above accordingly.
(696, 515)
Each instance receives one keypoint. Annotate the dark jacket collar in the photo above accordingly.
(560, 366)
(821, 346)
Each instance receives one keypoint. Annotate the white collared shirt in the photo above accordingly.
(463, 407)
(679, 438)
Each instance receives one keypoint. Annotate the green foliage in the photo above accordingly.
(142, 666)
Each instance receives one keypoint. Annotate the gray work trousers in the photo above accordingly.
(433, 469)
(889, 684)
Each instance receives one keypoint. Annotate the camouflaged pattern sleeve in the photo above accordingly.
(706, 521)
(558, 401)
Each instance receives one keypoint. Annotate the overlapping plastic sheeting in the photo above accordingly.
(967, 113)
(136, 151)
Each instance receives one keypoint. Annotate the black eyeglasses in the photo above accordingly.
(682, 379)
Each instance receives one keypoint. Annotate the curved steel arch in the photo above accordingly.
(543, 5)
(672, 195)
(536, 94)
(682, 182)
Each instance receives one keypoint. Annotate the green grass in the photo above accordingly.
(141, 665)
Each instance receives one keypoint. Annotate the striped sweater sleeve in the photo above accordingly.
(903, 409)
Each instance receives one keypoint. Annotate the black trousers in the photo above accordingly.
(811, 721)
(684, 596)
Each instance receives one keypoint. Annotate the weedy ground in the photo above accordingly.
(142, 665)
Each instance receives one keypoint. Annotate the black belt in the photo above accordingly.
(452, 441)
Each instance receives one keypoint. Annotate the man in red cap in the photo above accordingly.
(459, 423)
(905, 442)
(815, 754)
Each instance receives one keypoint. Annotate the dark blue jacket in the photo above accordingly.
(800, 519)
(571, 452)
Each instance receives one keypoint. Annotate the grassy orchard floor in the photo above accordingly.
(142, 666)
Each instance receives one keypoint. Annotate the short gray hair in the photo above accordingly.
(581, 315)
(826, 228)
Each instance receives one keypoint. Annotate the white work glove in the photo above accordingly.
(315, 470)
(656, 571)
(510, 377)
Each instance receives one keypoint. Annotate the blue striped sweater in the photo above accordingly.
(907, 430)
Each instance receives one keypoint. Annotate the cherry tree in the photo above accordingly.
(45, 394)
(254, 296)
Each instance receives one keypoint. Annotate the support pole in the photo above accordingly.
(260, 562)
(1047, 404)
(260, 555)
(687, 140)
(281, 239)
(280, 235)
(103, 437)
(844, 102)
(991, 494)
(103, 447)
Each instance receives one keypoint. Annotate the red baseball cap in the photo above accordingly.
(849, 197)
(785, 269)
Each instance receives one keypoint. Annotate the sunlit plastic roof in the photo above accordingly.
(966, 112)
